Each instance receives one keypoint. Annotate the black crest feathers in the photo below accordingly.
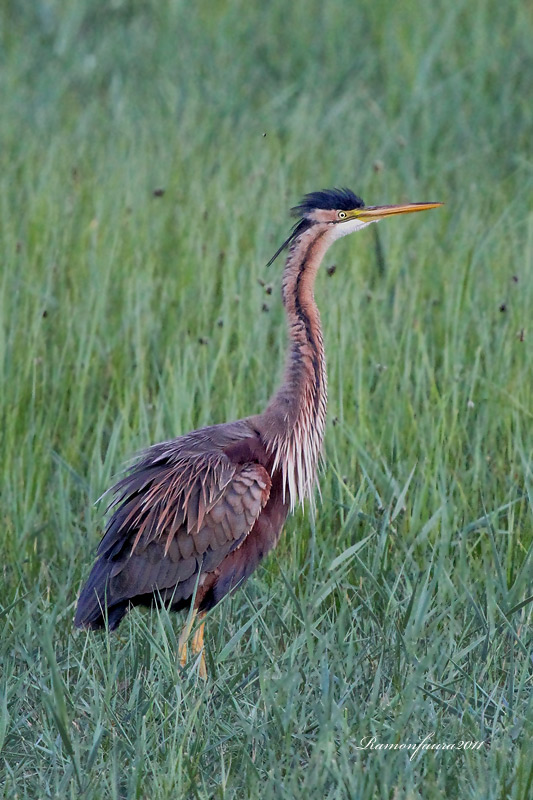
(299, 228)
(328, 200)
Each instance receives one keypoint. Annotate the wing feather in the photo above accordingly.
(174, 516)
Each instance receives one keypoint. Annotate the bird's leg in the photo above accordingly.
(184, 636)
(198, 645)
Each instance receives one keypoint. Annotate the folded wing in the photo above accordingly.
(176, 516)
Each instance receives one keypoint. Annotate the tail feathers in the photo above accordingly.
(96, 605)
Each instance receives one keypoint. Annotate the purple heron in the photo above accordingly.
(196, 515)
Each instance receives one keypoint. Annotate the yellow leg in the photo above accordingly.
(198, 647)
(184, 636)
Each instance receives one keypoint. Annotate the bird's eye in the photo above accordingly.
(342, 214)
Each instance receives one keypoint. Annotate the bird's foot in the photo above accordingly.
(197, 645)
(184, 637)
(198, 648)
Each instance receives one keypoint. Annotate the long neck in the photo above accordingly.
(298, 409)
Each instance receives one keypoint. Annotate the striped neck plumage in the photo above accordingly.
(299, 405)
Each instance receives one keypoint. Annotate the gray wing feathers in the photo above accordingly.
(187, 519)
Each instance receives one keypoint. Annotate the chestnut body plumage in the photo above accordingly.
(203, 503)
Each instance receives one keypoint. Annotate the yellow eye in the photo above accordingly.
(342, 214)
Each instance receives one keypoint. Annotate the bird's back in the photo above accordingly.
(193, 517)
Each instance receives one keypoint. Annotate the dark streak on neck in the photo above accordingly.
(304, 319)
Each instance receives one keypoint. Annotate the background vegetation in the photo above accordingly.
(131, 315)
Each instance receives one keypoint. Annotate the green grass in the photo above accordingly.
(404, 608)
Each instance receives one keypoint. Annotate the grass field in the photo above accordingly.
(404, 609)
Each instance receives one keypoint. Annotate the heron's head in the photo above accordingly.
(339, 212)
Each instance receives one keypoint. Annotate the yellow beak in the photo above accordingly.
(371, 213)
